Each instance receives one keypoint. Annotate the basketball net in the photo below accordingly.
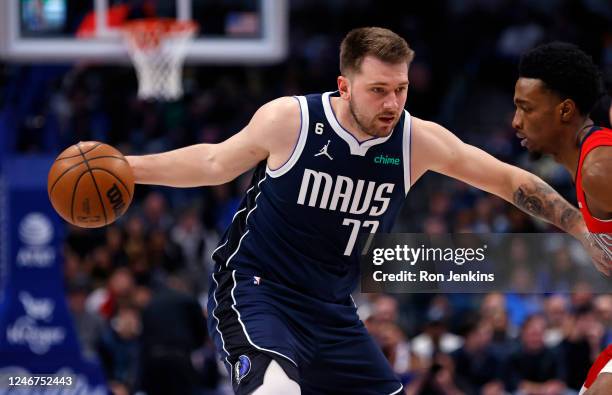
(157, 47)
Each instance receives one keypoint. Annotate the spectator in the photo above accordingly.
(557, 316)
(533, 368)
(168, 343)
(397, 350)
(439, 379)
(476, 364)
(194, 242)
(163, 255)
(493, 310)
(435, 338)
(603, 309)
(385, 309)
(89, 326)
(155, 212)
(119, 347)
(115, 240)
(582, 295)
(104, 301)
(581, 345)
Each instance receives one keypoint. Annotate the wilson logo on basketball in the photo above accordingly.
(116, 199)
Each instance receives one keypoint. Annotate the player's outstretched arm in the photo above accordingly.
(441, 151)
(272, 131)
(437, 149)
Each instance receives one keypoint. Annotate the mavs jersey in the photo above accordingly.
(286, 266)
(298, 225)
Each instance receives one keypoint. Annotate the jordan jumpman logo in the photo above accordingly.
(323, 151)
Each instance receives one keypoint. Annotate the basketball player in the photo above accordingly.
(557, 88)
(327, 167)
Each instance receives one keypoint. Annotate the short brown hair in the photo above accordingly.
(374, 41)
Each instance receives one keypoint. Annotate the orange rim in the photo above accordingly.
(147, 33)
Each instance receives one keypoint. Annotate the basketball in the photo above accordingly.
(90, 184)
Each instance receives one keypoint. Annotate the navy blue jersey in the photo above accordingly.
(298, 224)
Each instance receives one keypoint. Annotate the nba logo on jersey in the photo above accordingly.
(256, 280)
(242, 368)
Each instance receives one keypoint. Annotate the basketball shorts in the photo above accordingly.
(322, 346)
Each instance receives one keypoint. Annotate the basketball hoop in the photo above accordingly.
(158, 47)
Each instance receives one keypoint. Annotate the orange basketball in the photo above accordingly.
(90, 184)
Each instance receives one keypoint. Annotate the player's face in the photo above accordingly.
(537, 116)
(377, 95)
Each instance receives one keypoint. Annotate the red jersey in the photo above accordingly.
(597, 137)
(600, 230)
(602, 361)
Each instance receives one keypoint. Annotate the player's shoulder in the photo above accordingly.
(598, 163)
(427, 131)
(276, 124)
(282, 109)
(595, 177)
(419, 124)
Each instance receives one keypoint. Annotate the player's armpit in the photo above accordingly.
(272, 132)
(597, 177)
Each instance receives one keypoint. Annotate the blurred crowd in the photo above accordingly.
(485, 349)
(137, 289)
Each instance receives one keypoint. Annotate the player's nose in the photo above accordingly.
(391, 102)
(517, 121)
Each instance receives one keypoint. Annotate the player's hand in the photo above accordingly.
(601, 260)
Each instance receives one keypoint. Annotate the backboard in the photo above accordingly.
(230, 31)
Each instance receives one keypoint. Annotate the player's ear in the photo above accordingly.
(344, 87)
(567, 109)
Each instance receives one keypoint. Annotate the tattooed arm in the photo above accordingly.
(535, 197)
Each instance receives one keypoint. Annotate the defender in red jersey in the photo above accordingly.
(558, 86)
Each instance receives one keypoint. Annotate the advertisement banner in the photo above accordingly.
(39, 348)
